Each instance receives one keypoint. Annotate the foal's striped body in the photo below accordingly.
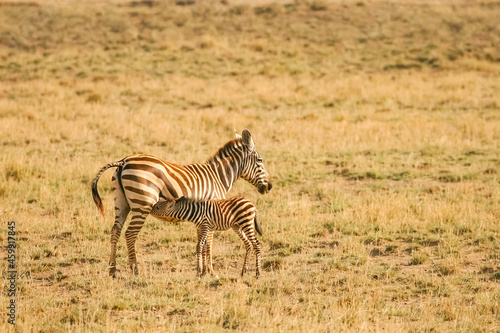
(236, 213)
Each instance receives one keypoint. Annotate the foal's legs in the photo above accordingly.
(203, 232)
(248, 247)
(256, 247)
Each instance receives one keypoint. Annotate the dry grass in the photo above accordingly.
(378, 121)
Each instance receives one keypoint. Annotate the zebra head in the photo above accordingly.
(253, 169)
(163, 208)
(176, 210)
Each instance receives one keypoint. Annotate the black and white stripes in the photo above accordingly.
(140, 181)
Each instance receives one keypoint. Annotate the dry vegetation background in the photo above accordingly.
(379, 122)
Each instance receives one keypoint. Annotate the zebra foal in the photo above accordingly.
(237, 213)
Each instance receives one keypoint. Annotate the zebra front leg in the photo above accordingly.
(248, 247)
(204, 252)
(136, 223)
(210, 268)
(121, 212)
(202, 239)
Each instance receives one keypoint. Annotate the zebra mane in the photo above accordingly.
(226, 150)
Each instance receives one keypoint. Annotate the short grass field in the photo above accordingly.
(378, 122)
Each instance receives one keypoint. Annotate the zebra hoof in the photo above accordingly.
(134, 269)
(112, 272)
(213, 275)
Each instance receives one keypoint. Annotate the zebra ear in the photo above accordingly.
(236, 134)
(247, 139)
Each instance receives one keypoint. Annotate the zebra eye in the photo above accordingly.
(259, 159)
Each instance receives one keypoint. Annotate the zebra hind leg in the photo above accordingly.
(256, 246)
(121, 212)
(248, 247)
(136, 223)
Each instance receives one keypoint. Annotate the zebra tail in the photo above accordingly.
(95, 193)
(257, 226)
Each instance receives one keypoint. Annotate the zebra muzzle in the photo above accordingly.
(265, 188)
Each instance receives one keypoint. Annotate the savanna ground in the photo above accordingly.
(379, 123)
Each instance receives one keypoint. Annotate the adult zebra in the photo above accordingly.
(140, 181)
